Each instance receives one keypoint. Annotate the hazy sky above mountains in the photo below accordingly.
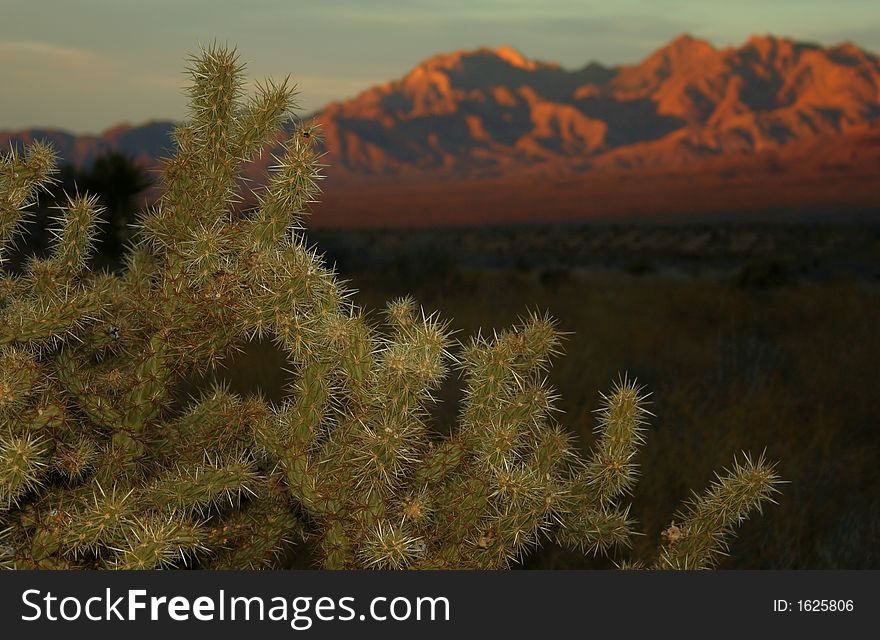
(90, 64)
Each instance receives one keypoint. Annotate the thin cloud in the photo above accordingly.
(326, 83)
(33, 51)
(165, 81)
(866, 36)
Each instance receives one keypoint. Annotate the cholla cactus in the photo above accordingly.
(99, 469)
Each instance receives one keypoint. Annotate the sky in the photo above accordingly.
(87, 65)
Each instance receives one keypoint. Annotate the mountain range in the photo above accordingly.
(771, 104)
(490, 111)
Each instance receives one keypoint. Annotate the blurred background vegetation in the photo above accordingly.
(748, 337)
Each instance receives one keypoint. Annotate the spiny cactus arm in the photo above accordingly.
(147, 395)
(554, 454)
(391, 546)
(217, 79)
(529, 500)
(414, 362)
(490, 377)
(218, 422)
(380, 456)
(611, 473)
(189, 224)
(505, 387)
(460, 507)
(116, 528)
(285, 439)
(10, 286)
(255, 536)
(121, 394)
(75, 236)
(158, 542)
(48, 280)
(7, 546)
(593, 520)
(706, 522)
(216, 86)
(76, 454)
(587, 529)
(204, 251)
(384, 441)
(142, 269)
(90, 397)
(335, 353)
(291, 298)
(42, 552)
(199, 489)
(160, 226)
(31, 403)
(522, 502)
(21, 378)
(503, 500)
(51, 304)
(86, 524)
(29, 320)
(220, 136)
(312, 397)
(536, 341)
(336, 546)
(537, 498)
(354, 346)
(379, 437)
(440, 461)
(293, 184)
(21, 178)
(47, 415)
(24, 462)
(262, 117)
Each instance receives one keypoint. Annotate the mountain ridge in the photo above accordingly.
(490, 112)
(701, 100)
